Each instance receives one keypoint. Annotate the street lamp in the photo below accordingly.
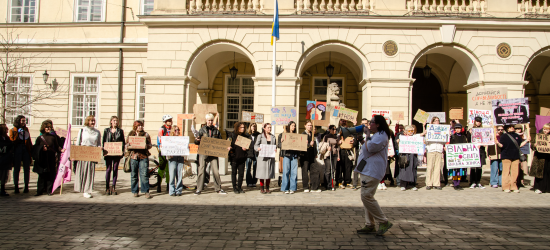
(329, 68)
(233, 71)
(45, 77)
(427, 70)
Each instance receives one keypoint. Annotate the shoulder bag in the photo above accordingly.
(522, 157)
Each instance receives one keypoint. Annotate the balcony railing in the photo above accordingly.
(220, 7)
(534, 9)
(446, 7)
(335, 7)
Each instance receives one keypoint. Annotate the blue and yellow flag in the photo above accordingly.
(275, 25)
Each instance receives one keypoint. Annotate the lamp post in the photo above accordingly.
(427, 70)
(233, 71)
(329, 68)
(45, 77)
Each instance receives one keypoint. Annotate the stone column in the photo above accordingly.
(393, 94)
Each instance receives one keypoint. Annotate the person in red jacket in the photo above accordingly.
(22, 151)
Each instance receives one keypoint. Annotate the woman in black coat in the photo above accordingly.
(112, 134)
(251, 162)
(238, 160)
(6, 158)
(45, 151)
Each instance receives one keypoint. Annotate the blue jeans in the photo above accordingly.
(139, 168)
(496, 172)
(251, 171)
(175, 167)
(290, 174)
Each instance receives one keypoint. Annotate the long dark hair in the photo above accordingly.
(236, 127)
(382, 124)
(288, 127)
(17, 121)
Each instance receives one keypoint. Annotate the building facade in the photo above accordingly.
(142, 59)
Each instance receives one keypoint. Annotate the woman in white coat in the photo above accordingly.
(85, 170)
(265, 169)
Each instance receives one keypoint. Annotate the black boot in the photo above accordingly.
(158, 188)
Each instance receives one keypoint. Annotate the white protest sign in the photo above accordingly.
(411, 144)
(483, 136)
(267, 151)
(487, 119)
(464, 155)
(438, 133)
(175, 145)
(391, 150)
(440, 115)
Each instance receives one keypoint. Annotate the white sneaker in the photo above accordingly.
(538, 192)
(291, 192)
(306, 190)
(287, 192)
(480, 186)
(473, 186)
(333, 189)
(507, 191)
(316, 191)
(379, 186)
(403, 189)
(384, 186)
(414, 189)
(515, 191)
(87, 195)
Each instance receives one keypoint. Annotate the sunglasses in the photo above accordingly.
(500, 129)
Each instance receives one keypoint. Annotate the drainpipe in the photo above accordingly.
(120, 71)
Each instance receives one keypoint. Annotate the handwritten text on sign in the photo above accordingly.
(421, 116)
(481, 98)
(214, 147)
(252, 117)
(294, 142)
(398, 115)
(345, 114)
(175, 145)
(511, 111)
(456, 113)
(440, 115)
(483, 136)
(486, 118)
(86, 153)
(283, 115)
(243, 142)
(465, 155)
(200, 111)
(113, 148)
(137, 142)
(543, 145)
(391, 150)
(438, 133)
(267, 151)
(61, 132)
(411, 144)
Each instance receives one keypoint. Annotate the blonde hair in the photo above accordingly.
(111, 121)
(209, 116)
(546, 126)
(88, 119)
(409, 127)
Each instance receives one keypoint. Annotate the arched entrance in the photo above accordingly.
(537, 73)
(426, 94)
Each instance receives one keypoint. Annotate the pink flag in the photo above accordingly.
(64, 172)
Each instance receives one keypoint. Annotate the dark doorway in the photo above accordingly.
(426, 95)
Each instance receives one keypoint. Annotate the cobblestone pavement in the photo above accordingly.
(447, 219)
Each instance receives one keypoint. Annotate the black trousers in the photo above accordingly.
(237, 168)
(445, 174)
(475, 175)
(345, 167)
(45, 182)
(314, 176)
(328, 166)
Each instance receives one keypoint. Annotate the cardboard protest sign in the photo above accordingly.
(346, 144)
(61, 132)
(283, 115)
(113, 148)
(511, 111)
(345, 114)
(483, 136)
(252, 117)
(456, 113)
(243, 142)
(481, 98)
(175, 145)
(487, 118)
(398, 115)
(296, 142)
(438, 133)
(421, 116)
(464, 155)
(214, 147)
(543, 111)
(411, 144)
(193, 149)
(543, 144)
(137, 142)
(181, 117)
(200, 111)
(267, 151)
(391, 150)
(440, 115)
(86, 153)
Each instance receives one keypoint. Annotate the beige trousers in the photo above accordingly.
(373, 213)
(433, 171)
(510, 170)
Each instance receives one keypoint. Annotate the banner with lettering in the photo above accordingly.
(511, 111)
(542, 144)
(175, 145)
(438, 133)
(411, 144)
(283, 115)
(214, 147)
(487, 118)
(440, 115)
(481, 98)
(483, 136)
(464, 155)
(345, 114)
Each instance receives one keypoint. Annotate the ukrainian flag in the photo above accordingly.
(275, 25)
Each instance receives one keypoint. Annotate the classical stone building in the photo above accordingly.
(145, 58)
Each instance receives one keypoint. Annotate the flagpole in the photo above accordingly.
(274, 75)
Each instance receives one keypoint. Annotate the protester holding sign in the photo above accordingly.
(175, 168)
(45, 151)
(496, 162)
(85, 170)
(163, 163)
(523, 168)
(290, 165)
(6, 158)
(456, 173)
(139, 161)
(112, 134)
(251, 161)
(434, 159)
(330, 162)
(309, 170)
(475, 173)
(408, 164)
(266, 165)
(540, 167)
(239, 157)
(510, 144)
(22, 144)
(208, 131)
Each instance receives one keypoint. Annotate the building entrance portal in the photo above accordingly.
(426, 95)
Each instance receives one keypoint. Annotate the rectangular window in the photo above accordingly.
(23, 11)
(18, 92)
(140, 100)
(89, 10)
(147, 7)
(85, 98)
(239, 97)
(320, 88)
